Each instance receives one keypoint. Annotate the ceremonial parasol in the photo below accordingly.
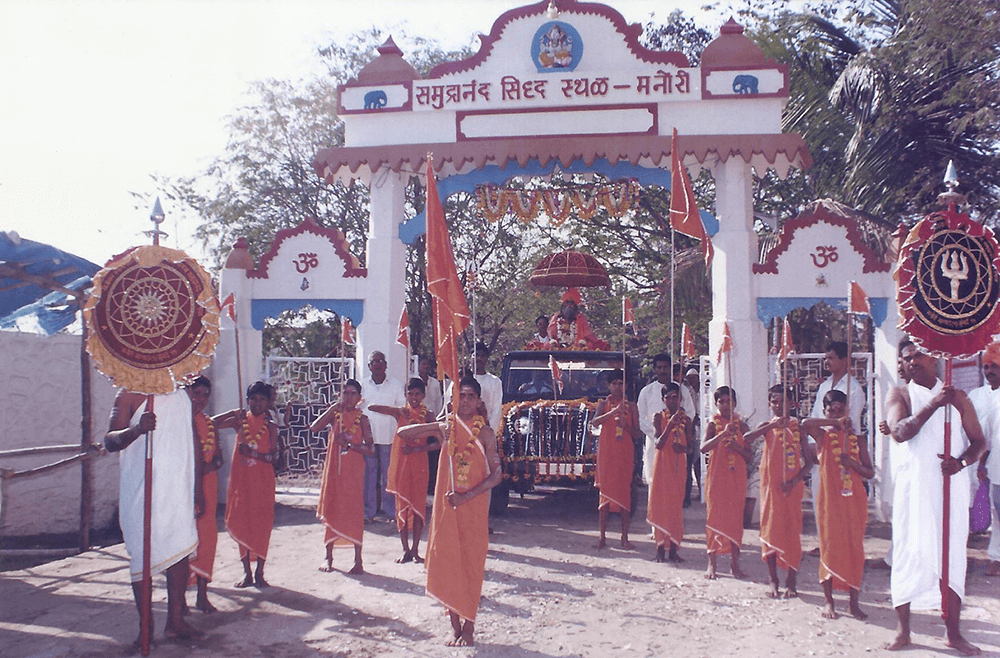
(152, 321)
(570, 269)
(947, 297)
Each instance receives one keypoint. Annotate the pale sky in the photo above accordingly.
(98, 95)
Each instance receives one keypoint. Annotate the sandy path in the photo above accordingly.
(548, 593)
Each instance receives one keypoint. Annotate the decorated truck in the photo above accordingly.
(546, 435)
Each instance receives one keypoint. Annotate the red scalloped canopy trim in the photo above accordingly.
(352, 267)
(631, 33)
(817, 212)
(566, 150)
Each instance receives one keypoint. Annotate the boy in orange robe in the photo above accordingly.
(842, 506)
(459, 536)
(408, 469)
(341, 505)
(783, 466)
(618, 421)
(726, 482)
(210, 452)
(666, 491)
(250, 498)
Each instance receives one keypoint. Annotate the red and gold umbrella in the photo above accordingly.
(570, 269)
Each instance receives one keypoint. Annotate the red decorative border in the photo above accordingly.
(352, 267)
(781, 93)
(810, 217)
(654, 129)
(631, 33)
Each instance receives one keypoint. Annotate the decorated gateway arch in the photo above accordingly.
(560, 85)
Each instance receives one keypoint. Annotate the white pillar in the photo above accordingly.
(733, 301)
(387, 273)
(887, 337)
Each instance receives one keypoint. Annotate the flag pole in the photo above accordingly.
(847, 384)
(146, 605)
(946, 611)
(673, 282)
(239, 364)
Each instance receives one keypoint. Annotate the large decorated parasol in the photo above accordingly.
(948, 291)
(152, 319)
(570, 269)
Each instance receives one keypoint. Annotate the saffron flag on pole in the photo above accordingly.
(228, 306)
(628, 316)
(787, 347)
(727, 343)
(687, 342)
(684, 215)
(403, 336)
(556, 373)
(858, 300)
(451, 311)
(347, 329)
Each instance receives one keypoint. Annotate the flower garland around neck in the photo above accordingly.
(462, 457)
(415, 416)
(352, 431)
(567, 332)
(854, 450)
(208, 441)
(720, 426)
(252, 441)
(789, 441)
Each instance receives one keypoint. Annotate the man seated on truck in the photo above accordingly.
(569, 328)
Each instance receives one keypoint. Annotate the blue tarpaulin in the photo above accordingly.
(39, 280)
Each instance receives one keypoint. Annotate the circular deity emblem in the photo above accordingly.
(949, 285)
(152, 319)
(956, 282)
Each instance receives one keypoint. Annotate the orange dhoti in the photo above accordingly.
(841, 515)
(208, 527)
(615, 460)
(341, 505)
(407, 477)
(781, 513)
(250, 501)
(665, 511)
(725, 494)
(459, 536)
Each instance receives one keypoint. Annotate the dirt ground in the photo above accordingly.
(547, 593)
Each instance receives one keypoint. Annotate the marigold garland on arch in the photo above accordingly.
(617, 198)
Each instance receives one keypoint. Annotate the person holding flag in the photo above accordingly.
(618, 422)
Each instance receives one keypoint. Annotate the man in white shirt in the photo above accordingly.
(650, 403)
(492, 388)
(434, 398)
(986, 400)
(377, 388)
(837, 361)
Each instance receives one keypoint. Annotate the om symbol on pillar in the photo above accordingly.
(823, 256)
(305, 262)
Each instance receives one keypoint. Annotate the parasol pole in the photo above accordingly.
(146, 599)
(946, 501)
(847, 384)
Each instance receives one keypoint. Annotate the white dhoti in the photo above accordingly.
(174, 534)
(917, 510)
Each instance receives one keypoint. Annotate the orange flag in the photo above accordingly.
(687, 342)
(727, 343)
(451, 311)
(556, 373)
(229, 306)
(628, 316)
(787, 347)
(347, 336)
(859, 300)
(403, 336)
(684, 215)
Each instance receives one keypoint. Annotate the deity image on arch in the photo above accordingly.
(555, 48)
